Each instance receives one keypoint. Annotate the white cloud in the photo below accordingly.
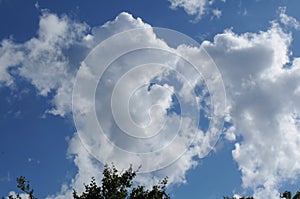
(264, 102)
(147, 107)
(10, 56)
(263, 97)
(6, 178)
(288, 21)
(21, 195)
(230, 133)
(46, 60)
(217, 13)
(191, 7)
(46, 64)
(197, 8)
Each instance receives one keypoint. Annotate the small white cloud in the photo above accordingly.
(32, 160)
(197, 8)
(288, 21)
(37, 5)
(88, 37)
(230, 134)
(191, 7)
(210, 2)
(245, 12)
(6, 178)
(21, 195)
(216, 13)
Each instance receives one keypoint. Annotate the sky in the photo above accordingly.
(205, 92)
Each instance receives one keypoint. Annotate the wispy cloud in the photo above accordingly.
(216, 13)
(191, 7)
(197, 8)
(287, 20)
(6, 178)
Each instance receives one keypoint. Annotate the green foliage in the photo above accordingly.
(114, 185)
(157, 191)
(24, 185)
(117, 186)
(288, 195)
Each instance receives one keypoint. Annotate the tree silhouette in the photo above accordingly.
(24, 185)
(114, 185)
(288, 195)
(117, 186)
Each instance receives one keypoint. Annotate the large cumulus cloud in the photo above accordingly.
(50, 62)
(263, 88)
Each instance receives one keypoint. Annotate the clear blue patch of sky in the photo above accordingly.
(18, 19)
(216, 176)
(31, 145)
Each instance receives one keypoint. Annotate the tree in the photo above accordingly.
(158, 191)
(288, 195)
(24, 185)
(114, 185)
(117, 186)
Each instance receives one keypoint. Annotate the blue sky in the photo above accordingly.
(47, 46)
